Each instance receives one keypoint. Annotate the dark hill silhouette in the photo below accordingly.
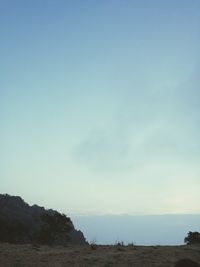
(21, 223)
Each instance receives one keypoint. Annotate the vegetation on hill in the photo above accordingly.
(21, 223)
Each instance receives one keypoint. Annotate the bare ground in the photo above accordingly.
(93, 255)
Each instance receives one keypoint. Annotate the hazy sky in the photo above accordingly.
(100, 104)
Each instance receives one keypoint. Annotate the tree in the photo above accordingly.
(192, 238)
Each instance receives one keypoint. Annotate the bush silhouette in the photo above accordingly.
(192, 238)
(186, 263)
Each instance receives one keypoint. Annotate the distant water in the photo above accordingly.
(141, 230)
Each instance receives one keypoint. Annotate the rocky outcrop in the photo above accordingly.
(21, 223)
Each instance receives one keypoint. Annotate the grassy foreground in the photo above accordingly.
(95, 255)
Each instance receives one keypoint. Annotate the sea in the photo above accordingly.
(168, 229)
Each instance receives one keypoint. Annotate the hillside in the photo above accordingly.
(21, 223)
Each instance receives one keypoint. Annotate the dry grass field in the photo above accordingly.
(93, 255)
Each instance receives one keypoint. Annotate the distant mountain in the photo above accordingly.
(21, 223)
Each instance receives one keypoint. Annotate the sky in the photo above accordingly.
(99, 105)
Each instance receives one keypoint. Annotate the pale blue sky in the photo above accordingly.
(99, 105)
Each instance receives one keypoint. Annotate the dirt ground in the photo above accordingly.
(93, 255)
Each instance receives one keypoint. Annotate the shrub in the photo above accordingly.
(186, 263)
(120, 244)
(93, 246)
(192, 238)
